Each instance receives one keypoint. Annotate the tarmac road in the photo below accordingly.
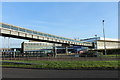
(37, 73)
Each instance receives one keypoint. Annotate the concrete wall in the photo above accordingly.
(109, 44)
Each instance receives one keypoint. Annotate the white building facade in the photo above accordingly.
(109, 43)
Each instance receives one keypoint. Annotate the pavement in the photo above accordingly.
(38, 73)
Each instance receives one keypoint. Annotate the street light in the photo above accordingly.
(104, 38)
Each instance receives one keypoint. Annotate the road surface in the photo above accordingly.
(37, 73)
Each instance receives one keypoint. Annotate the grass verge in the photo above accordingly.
(65, 64)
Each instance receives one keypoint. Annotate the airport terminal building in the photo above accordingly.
(33, 47)
(112, 45)
(51, 48)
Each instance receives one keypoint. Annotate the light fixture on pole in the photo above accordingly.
(104, 38)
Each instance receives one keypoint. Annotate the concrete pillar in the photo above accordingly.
(8, 45)
(54, 50)
(14, 53)
(96, 46)
(3, 55)
(66, 49)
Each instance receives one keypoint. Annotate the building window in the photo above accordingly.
(20, 29)
(14, 28)
(28, 31)
(5, 26)
(34, 32)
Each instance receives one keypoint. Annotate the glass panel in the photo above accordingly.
(63, 38)
(40, 34)
(48, 35)
(60, 38)
(28, 31)
(67, 39)
(45, 35)
(57, 37)
(14, 28)
(72, 40)
(34, 32)
(53, 36)
(20, 29)
(5, 26)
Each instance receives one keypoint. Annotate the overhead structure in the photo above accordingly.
(8, 30)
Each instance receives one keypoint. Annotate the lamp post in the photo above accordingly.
(104, 38)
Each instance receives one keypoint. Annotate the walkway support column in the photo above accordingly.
(66, 49)
(54, 50)
(4, 43)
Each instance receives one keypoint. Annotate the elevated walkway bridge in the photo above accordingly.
(8, 30)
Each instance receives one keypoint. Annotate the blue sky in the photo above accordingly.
(67, 19)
